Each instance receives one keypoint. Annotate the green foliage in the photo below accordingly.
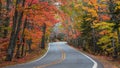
(87, 18)
(105, 34)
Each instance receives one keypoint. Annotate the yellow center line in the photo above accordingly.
(56, 61)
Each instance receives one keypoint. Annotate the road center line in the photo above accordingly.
(56, 61)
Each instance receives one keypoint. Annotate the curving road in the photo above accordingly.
(60, 55)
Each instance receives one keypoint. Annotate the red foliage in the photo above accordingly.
(2, 40)
(32, 1)
(105, 17)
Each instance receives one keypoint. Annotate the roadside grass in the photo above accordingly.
(36, 54)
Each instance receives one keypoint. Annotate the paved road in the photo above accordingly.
(60, 55)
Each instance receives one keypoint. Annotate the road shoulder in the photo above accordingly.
(102, 60)
(35, 55)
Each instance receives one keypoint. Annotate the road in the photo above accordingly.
(61, 55)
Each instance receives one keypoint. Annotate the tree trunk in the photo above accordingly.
(7, 20)
(94, 40)
(18, 51)
(12, 38)
(43, 37)
(15, 31)
(0, 16)
(118, 33)
(115, 53)
(112, 6)
(29, 45)
(84, 45)
(23, 48)
(43, 42)
(21, 41)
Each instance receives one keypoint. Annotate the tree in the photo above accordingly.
(25, 28)
(15, 30)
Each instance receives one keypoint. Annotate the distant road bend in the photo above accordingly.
(60, 55)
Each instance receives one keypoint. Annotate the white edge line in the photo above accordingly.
(95, 63)
(42, 56)
(34, 60)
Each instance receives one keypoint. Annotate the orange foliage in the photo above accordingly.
(37, 15)
(93, 1)
(105, 17)
(103, 32)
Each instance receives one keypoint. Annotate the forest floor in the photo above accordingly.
(29, 57)
(106, 61)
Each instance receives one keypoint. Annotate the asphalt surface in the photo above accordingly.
(61, 55)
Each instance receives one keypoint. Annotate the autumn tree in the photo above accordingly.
(114, 17)
(25, 29)
(15, 29)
